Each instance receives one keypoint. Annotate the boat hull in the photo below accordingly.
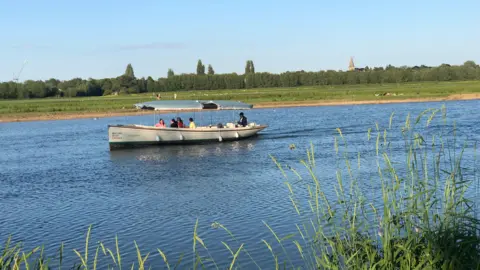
(127, 136)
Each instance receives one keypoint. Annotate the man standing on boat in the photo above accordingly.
(243, 120)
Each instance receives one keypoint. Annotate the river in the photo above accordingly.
(58, 177)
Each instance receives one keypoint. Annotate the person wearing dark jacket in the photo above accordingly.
(173, 123)
(243, 120)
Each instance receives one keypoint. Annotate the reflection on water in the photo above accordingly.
(166, 153)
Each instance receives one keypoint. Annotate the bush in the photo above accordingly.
(107, 92)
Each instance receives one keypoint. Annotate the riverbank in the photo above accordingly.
(25, 117)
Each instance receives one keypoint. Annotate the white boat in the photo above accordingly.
(121, 136)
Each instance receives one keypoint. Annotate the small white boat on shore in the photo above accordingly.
(121, 136)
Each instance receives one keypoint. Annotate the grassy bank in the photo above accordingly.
(65, 108)
(422, 218)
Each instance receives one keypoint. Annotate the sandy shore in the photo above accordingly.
(282, 104)
(361, 102)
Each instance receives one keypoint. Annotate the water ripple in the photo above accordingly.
(65, 179)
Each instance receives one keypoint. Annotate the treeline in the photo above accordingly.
(208, 80)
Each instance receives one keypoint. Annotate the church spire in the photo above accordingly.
(351, 65)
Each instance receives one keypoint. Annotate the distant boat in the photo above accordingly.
(121, 136)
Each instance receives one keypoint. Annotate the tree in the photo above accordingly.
(52, 82)
(107, 87)
(470, 64)
(128, 83)
(93, 88)
(142, 85)
(200, 68)
(247, 67)
(210, 70)
(129, 71)
(170, 73)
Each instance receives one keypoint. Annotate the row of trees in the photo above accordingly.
(201, 69)
(129, 83)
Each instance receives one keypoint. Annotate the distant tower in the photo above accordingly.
(351, 65)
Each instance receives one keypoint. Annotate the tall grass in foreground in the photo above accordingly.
(422, 218)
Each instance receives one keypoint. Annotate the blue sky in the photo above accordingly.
(65, 39)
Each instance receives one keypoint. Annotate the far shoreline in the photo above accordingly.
(259, 105)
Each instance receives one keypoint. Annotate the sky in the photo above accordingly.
(65, 39)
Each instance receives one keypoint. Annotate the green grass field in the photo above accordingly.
(256, 96)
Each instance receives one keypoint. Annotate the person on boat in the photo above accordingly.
(180, 122)
(160, 123)
(243, 120)
(192, 124)
(173, 123)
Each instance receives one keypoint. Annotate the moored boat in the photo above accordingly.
(121, 136)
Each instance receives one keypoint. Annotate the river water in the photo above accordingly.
(58, 177)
